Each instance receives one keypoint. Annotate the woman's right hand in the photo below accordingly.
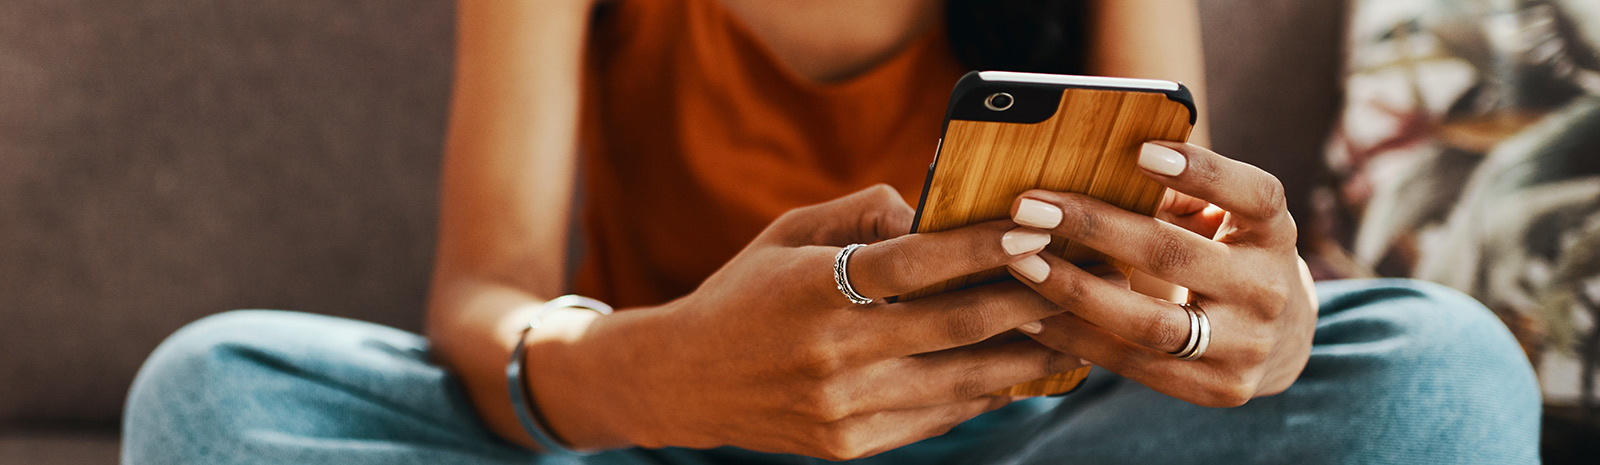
(768, 355)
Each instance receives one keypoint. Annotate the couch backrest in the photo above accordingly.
(161, 160)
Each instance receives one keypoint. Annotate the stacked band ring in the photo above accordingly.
(1199, 334)
(841, 274)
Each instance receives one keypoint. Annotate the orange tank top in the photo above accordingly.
(695, 137)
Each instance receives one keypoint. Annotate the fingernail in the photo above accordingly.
(1031, 327)
(1018, 241)
(1161, 160)
(1032, 267)
(1084, 361)
(1037, 214)
(1017, 398)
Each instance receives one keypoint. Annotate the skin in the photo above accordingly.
(1236, 254)
(766, 354)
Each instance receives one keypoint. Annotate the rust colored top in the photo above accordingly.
(695, 137)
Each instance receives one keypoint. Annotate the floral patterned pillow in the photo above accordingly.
(1468, 153)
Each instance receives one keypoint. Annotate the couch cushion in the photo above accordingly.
(60, 448)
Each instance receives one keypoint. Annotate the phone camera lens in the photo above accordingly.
(999, 101)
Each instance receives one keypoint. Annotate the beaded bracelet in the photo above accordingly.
(527, 411)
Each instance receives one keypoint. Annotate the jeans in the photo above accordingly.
(1400, 372)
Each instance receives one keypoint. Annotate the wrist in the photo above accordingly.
(578, 375)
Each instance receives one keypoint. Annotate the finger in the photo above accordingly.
(1239, 188)
(1156, 247)
(914, 261)
(1196, 382)
(869, 215)
(882, 431)
(944, 321)
(1145, 320)
(1179, 204)
(1188, 212)
(957, 375)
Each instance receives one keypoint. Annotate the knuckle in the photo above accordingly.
(945, 427)
(969, 384)
(832, 454)
(1056, 361)
(900, 267)
(1233, 390)
(843, 444)
(1070, 289)
(1169, 255)
(1290, 231)
(1163, 331)
(1274, 301)
(788, 219)
(1079, 218)
(971, 323)
(818, 363)
(1273, 199)
(825, 405)
(1203, 170)
(884, 191)
(1268, 295)
(1255, 353)
(981, 252)
(1233, 394)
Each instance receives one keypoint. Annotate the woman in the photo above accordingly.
(703, 129)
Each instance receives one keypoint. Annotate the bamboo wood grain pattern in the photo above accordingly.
(983, 166)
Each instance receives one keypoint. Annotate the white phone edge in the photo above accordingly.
(1079, 81)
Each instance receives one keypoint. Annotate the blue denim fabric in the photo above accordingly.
(1401, 372)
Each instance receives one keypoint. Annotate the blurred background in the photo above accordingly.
(162, 160)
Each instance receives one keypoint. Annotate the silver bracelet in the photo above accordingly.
(527, 411)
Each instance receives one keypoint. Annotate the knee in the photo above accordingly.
(205, 350)
(1420, 360)
(198, 378)
(1420, 326)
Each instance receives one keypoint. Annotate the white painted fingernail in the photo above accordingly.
(1037, 214)
(1161, 160)
(1031, 327)
(1032, 267)
(1018, 241)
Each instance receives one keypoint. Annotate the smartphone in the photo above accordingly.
(1007, 132)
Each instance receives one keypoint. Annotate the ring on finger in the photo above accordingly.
(841, 274)
(1199, 334)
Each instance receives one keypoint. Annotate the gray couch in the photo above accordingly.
(161, 160)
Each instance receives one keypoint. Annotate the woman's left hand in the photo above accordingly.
(1238, 261)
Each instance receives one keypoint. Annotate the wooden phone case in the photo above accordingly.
(1087, 142)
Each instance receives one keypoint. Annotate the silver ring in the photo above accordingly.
(841, 274)
(1199, 334)
(1194, 327)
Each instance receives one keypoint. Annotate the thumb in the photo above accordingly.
(866, 216)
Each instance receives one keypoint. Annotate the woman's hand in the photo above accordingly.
(768, 355)
(1238, 261)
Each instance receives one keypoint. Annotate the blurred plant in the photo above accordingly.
(1469, 154)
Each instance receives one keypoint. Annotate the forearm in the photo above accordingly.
(505, 209)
